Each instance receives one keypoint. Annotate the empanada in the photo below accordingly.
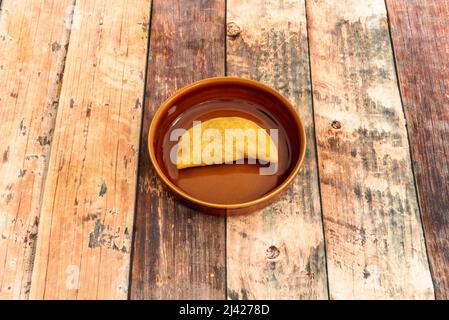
(225, 140)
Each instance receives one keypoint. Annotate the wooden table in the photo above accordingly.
(83, 216)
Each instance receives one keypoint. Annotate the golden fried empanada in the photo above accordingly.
(225, 140)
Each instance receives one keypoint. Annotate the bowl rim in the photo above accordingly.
(227, 80)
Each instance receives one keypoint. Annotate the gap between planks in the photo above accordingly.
(144, 103)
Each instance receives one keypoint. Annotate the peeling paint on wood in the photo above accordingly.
(277, 253)
(103, 189)
(419, 30)
(79, 258)
(374, 239)
(106, 237)
(28, 86)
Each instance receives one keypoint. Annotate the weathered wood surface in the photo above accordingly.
(420, 31)
(86, 223)
(277, 253)
(178, 253)
(372, 226)
(374, 239)
(33, 39)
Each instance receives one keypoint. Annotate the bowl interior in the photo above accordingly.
(227, 184)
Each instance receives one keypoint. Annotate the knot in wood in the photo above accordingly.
(272, 252)
(233, 30)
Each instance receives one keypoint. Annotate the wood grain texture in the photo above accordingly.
(178, 253)
(419, 31)
(277, 253)
(374, 239)
(85, 229)
(33, 39)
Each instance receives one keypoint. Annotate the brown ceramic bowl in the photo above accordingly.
(227, 188)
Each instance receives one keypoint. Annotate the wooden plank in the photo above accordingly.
(277, 253)
(374, 238)
(85, 230)
(33, 39)
(419, 31)
(178, 253)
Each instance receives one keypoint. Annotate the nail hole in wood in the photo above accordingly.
(233, 30)
(336, 125)
(272, 252)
